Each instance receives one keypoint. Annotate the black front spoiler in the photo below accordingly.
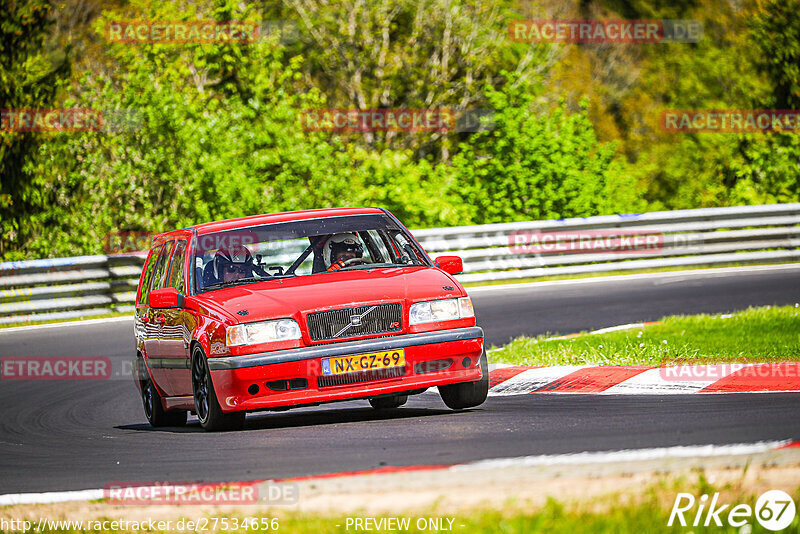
(344, 349)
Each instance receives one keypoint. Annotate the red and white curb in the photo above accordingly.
(644, 380)
(583, 458)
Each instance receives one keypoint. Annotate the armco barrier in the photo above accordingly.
(94, 285)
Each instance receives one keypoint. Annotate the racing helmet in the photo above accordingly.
(341, 242)
(231, 257)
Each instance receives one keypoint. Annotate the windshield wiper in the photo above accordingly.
(237, 282)
(375, 266)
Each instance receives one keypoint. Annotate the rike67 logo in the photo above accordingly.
(774, 510)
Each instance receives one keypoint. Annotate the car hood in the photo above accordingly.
(291, 296)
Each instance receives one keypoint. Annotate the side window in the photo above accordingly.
(176, 267)
(148, 274)
(161, 266)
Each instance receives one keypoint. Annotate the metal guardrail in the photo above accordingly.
(86, 286)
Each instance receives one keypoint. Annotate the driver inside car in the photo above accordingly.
(341, 250)
(235, 263)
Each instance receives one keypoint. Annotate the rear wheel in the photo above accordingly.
(467, 394)
(387, 403)
(154, 410)
(206, 405)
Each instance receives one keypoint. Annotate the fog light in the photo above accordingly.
(253, 389)
(466, 362)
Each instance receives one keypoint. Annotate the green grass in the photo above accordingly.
(631, 511)
(648, 516)
(642, 511)
(767, 334)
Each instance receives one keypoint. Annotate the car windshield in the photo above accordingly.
(302, 248)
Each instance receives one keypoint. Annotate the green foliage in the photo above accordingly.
(216, 130)
(30, 74)
(400, 54)
(539, 164)
(200, 149)
(775, 32)
(747, 59)
(765, 168)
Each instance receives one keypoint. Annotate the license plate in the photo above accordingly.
(363, 362)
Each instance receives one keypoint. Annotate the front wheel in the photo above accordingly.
(154, 410)
(206, 405)
(387, 403)
(467, 394)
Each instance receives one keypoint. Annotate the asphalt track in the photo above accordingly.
(67, 435)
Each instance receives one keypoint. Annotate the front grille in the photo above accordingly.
(361, 376)
(352, 322)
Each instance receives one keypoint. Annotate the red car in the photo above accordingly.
(295, 309)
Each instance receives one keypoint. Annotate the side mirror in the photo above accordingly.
(167, 297)
(450, 264)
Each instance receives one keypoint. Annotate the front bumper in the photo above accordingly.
(236, 378)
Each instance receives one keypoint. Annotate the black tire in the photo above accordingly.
(154, 410)
(211, 416)
(387, 403)
(467, 394)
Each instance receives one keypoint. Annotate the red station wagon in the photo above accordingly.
(295, 309)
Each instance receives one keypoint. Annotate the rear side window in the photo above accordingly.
(176, 267)
(148, 274)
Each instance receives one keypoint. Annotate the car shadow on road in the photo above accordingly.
(310, 418)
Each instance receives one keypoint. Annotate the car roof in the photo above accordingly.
(267, 218)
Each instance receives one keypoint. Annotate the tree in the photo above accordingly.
(539, 164)
(423, 54)
(30, 76)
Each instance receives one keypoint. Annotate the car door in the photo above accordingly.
(176, 329)
(152, 341)
(145, 329)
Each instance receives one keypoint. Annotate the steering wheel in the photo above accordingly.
(355, 261)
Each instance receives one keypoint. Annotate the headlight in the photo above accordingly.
(263, 332)
(440, 310)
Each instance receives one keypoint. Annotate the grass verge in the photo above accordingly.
(647, 509)
(766, 334)
(651, 514)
